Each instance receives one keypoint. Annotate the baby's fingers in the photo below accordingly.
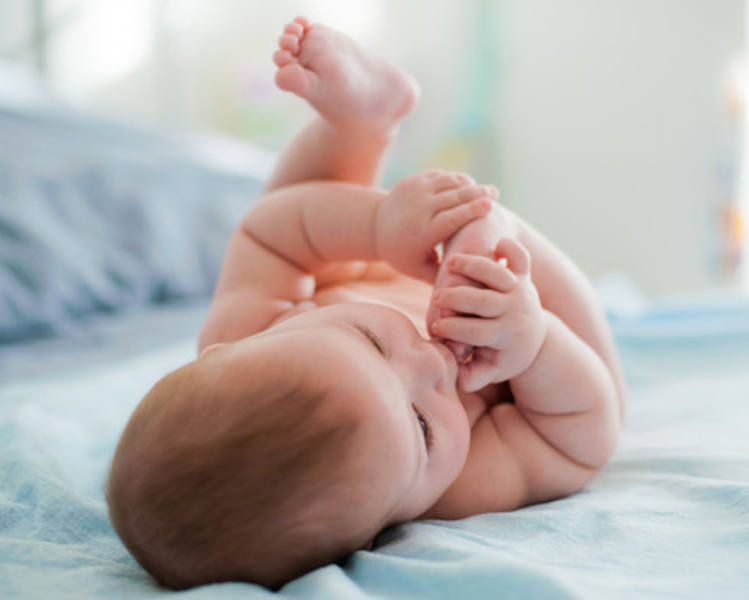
(451, 198)
(484, 270)
(448, 222)
(473, 331)
(471, 301)
(517, 257)
(442, 181)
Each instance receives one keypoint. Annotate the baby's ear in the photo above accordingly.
(517, 257)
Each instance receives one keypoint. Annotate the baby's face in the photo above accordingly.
(415, 437)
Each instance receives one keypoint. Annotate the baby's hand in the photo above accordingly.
(422, 212)
(502, 318)
(479, 238)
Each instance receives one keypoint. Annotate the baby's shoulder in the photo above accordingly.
(510, 465)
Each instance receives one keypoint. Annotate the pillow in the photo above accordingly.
(97, 216)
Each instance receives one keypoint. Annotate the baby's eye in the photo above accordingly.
(425, 428)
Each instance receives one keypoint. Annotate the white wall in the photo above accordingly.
(16, 31)
(611, 125)
(603, 122)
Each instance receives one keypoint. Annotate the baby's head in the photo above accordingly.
(288, 450)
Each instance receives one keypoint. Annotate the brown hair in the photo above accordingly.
(212, 483)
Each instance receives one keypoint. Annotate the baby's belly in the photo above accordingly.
(409, 296)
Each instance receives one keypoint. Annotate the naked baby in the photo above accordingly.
(370, 357)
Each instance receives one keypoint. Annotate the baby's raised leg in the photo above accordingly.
(360, 98)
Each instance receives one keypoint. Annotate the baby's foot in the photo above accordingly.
(347, 85)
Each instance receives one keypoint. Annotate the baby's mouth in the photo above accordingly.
(463, 352)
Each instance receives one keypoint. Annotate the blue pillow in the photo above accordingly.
(98, 216)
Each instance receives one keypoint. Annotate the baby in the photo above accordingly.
(352, 376)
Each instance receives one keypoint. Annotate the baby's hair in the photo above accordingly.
(217, 483)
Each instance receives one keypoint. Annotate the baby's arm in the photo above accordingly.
(561, 386)
(314, 224)
(563, 424)
(562, 287)
(568, 400)
(295, 232)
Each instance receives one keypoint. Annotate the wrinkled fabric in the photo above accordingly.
(97, 216)
(668, 517)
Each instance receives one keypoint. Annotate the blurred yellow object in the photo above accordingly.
(733, 226)
(454, 154)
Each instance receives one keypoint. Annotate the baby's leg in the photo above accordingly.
(361, 99)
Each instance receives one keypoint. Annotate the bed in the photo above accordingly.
(111, 237)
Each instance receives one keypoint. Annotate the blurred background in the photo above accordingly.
(616, 127)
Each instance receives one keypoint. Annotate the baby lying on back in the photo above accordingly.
(349, 378)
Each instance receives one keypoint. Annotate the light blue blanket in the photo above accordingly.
(668, 518)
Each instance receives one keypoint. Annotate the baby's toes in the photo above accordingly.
(303, 22)
(281, 58)
(289, 42)
(293, 78)
(294, 28)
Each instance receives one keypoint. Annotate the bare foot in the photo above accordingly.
(347, 85)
